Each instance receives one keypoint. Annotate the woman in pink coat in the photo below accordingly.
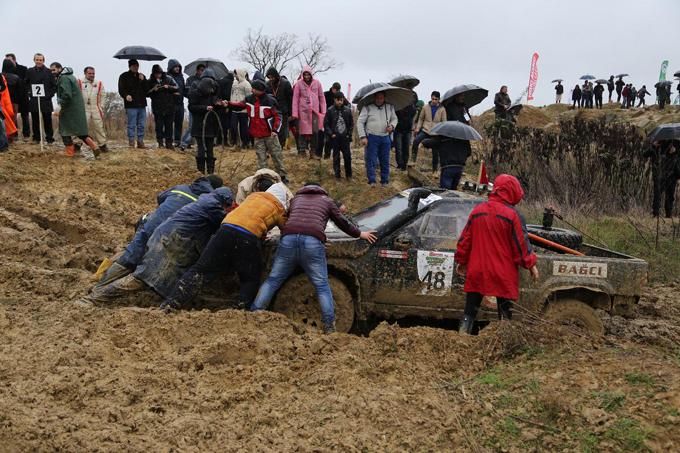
(309, 108)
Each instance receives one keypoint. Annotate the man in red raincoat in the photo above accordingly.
(491, 248)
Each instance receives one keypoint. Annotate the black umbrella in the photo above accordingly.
(405, 81)
(665, 132)
(365, 89)
(455, 129)
(472, 94)
(677, 74)
(398, 97)
(219, 68)
(588, 77)
(663, 82)
(622, 75)
(139, 53)
(601, 81)
(556, 80)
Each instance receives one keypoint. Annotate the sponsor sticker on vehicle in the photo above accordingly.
(393, 254)
(435, 272)
(576, 269)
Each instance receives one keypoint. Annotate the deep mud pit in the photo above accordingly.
(133, 379)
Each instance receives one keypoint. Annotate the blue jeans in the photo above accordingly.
(136, 122)
(310, 254)
(420, 136)
(450, 177)
(186, 138)
(378, 149)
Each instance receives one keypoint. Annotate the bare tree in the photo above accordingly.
(262, 51)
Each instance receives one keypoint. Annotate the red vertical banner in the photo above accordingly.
(533, 77)
(349, 93)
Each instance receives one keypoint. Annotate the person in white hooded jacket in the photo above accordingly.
(239, 116)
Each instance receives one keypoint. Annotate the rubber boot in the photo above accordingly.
(70, 150)
(114, 272)
(200, 164)
(93, 146)
(140, 144)
(466, 325)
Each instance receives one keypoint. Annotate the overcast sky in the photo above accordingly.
(442, 42)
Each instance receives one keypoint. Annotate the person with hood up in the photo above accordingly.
(641, 95)
(225, 85)
(191, 84)
(493, 244)
(559, 90)
(375, 124)
(169, 201)
(632, 94)
(132, 87)
(92, 91)
(237, 246)
(162, 88)
(433, 113)
(173, 248)
(262, 180)
(661, 95)
(40, 74)
(597, 91)
(279, 87)
(20, 70)
(302, 244)
(72, 118)
(502, 103)
(265, 123)
(619, 88)
(240, 89)
(309, 108)
(453, 154)
(175, 71)
(14, 85)
(204, 105)
(610, 87)
(576, 96)
(624, 95)
(339, 124)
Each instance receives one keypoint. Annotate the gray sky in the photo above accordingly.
(442, 42)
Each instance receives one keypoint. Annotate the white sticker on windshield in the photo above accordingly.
(429, 200)
(435, 272)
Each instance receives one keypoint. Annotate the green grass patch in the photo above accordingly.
(610, 401)
(628, 434)
(508, 428)
(495, 380)
(641, 379)
(586, 440)
(533, 386)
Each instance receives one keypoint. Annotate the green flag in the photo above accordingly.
(662, 73)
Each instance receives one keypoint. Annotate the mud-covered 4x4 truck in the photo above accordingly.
(409, 271)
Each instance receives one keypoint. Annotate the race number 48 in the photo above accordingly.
(434, 280)
(38, 90)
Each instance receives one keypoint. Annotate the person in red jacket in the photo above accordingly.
(490, 249)
(265, 123)
(303, 244)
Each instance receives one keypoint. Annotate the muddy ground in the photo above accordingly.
(133, 379)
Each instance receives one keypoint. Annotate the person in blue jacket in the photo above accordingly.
(173, 248)
(169, 202)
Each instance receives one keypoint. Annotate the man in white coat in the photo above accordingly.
(93, 91)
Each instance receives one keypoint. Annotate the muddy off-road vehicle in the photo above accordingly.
(409, 271)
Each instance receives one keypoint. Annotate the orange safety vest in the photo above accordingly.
(7, 110)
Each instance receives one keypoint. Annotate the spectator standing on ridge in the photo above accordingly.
(559, 89)
(161, 89)
(175, 71)
(239, 116)
(324, 146)
(610, 87)
(641, 95)
(281, 89)
(92, 91)
(576, 96)
(132, 88)
(404, 132)
(375, 124)
(433, 113)
(309, 108)
(190, 84)
(619, 88)
(23, 101)
(502, 103)
(597, 91)
(40, 74)
(339, 124)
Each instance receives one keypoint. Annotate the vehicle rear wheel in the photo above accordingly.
(297, 300)
(573, 312)
(567, 238)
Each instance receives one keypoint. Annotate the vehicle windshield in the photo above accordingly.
(376, 216)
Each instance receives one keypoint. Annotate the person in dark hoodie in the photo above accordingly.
(161, 88)
(20, 70)
(169, 201)
(302, 245)
(15, 85)
(190, 84)
(281, 89)
(576, 96)
(610, 87)
(205, 105)
(172, 249)
(224, 93)
(402, 133)
(458, 110)
(597, 91)
(338, 125)
(324, 146)
(619, 88)
(175, 71)
(132, 88)
(453, 154)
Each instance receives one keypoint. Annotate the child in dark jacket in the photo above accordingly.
(338, 125)
(453, 154)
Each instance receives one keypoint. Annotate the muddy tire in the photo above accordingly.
(567, 238)
(297, 300)
(575, 313)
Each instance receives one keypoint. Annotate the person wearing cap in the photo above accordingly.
(132, 88)
(279, 87)
(236, 247)
(302, 244)
(174, 247)
(265, 124)
(491, 248)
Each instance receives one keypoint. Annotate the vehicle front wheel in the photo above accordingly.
(573, 312)
(297, 300)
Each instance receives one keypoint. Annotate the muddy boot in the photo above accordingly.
(131, 142)
(93, 146)
(466, 325)
(329, 328)
(140, 144)
(200, 164)
(168, 144)
(169, 306)
(104, 148)
(70, 150)
(114, 272)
